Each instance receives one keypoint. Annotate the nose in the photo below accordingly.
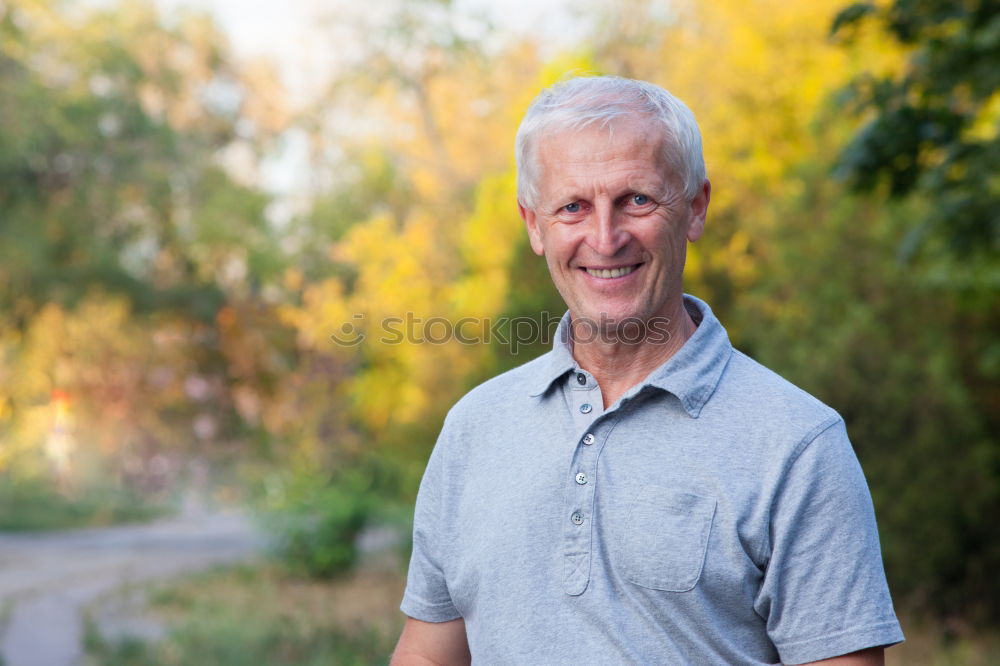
(606, 234)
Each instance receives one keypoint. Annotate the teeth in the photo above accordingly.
(612, 272)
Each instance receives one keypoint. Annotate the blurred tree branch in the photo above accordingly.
(933, 129)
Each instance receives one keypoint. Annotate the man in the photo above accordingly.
(643, 493)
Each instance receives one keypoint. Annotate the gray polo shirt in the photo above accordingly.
(715, 514)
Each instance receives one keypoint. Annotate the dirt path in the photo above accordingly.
(47, 580)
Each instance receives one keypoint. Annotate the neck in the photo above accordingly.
(618, 366)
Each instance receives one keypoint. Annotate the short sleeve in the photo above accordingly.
(824, 592)
(426, 597)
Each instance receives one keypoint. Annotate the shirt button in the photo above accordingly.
(589, 438)
(581, 378)
(586, 408)
(581, 478)
(577, 518)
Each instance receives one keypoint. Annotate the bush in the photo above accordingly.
(316, 518)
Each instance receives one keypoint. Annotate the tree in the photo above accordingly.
(110, 124)
(928, 153)
(933, 128)
(131, 254)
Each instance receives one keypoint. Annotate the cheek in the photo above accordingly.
(672, 236)
(666, 244)
(557, 264)
(561, 243)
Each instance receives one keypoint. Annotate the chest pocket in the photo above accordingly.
(665, 539)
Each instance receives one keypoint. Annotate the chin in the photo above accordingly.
(611, 313)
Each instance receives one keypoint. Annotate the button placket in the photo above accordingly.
(584, 400)
(585, 404)
(579, 537)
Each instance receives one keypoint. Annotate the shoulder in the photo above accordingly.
(499, 396)
(487, 418)
(760, 400)
(769, 387)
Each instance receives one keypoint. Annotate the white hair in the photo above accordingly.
(583, 101)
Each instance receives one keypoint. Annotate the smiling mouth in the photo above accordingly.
(607, 273)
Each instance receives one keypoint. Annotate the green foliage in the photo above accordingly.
(30, 504)
(914, 343)
(133, 253)
(933, 129)
(315, 518)
(100, 171)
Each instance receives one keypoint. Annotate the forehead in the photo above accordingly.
(617, 155)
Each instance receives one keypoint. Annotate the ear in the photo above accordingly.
(534, 232)
(699, 210)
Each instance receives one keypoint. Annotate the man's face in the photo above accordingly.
(612, 221)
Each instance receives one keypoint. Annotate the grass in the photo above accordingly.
(262, 615)
(930, 644)
(6, 608)
(34, 505)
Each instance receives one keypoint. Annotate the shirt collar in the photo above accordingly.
(691, 374)
(555, 363)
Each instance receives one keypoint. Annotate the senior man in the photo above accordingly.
(643, 493)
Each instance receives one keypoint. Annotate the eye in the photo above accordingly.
(572, 207)
(639, 199)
